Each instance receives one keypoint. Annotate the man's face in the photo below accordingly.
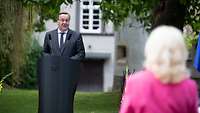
(63, 22)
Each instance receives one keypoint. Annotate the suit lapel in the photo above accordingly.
(55, 40)
(67, 39)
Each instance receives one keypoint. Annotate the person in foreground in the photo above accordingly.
(64, 41)
(164, 86)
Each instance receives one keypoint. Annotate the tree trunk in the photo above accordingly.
(11, 39)
(169, 12)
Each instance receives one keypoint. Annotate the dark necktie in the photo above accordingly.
(61, 39)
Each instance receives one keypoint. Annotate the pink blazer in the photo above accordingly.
(145, 94)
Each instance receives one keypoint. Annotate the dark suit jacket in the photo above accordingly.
(73, 47)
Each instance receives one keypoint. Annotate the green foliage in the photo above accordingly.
(118, 10)
(29, 69)
(191, 40)
(45, 9)
(2, 80)
(193, 14)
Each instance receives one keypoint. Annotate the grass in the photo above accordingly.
(26, 101)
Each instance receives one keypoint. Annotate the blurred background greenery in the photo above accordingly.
(19, 19)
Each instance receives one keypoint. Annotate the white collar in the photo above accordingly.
(62, 32)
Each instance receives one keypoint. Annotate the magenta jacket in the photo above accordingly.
(146, 94)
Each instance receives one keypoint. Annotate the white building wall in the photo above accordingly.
(133, 35)
(105, 45)
(99, 43)
(109, 27)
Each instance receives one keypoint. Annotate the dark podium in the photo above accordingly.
(58, 78)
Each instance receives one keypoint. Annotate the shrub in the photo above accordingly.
(29, 70)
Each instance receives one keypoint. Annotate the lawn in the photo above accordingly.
(26, 101)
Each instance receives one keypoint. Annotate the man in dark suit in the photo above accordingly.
(64, 41)
(67, 43)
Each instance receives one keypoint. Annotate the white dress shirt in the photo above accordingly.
(59, 36)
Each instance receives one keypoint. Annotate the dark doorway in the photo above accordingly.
(91, 75)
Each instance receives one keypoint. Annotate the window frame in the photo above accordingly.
(91, 20)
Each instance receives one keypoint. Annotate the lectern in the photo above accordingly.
(58, 77)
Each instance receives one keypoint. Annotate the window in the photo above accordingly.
(121, 54)
(90, 15)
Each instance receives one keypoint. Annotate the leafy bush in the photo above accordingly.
(191, 40)
(29, 70)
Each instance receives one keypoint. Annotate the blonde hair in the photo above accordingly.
(166, 54)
